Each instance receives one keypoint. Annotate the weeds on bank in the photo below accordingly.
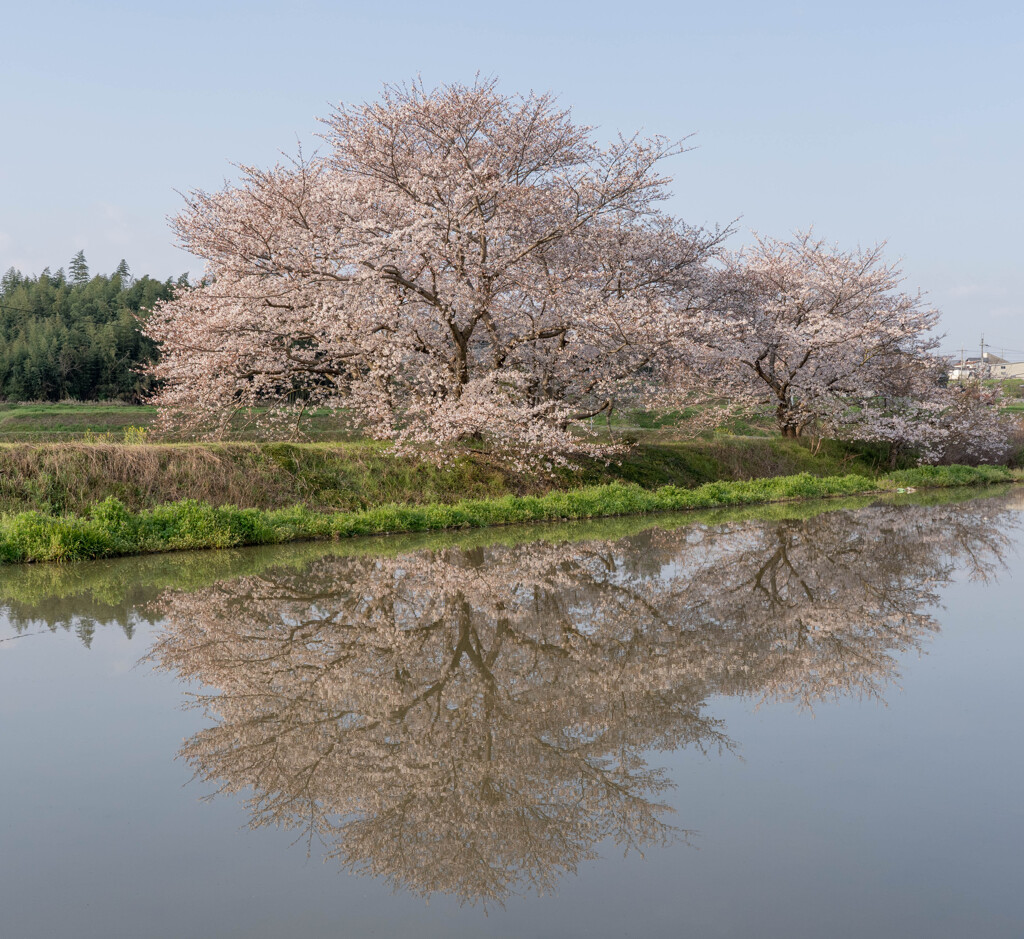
(111, 529)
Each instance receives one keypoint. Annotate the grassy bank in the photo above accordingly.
(69, 478)
(120, 591)
(111, 528)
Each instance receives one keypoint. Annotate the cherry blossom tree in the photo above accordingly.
(940, 423)
(462, 264)
(824, 338)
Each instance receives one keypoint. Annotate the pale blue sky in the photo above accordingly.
(901, 121)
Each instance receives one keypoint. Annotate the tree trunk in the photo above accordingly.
(789, 425)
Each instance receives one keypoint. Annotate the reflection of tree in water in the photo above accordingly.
(474, 722)
(81, 615)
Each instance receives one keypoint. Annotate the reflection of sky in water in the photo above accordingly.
(863, 819)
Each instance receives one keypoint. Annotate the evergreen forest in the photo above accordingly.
(72, 335)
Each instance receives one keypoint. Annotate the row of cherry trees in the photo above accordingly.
(464, 265)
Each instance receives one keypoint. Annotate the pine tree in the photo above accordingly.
(79, 269)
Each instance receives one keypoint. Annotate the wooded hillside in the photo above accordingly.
(72, 335)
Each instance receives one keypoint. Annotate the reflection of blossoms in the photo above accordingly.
(474, 722)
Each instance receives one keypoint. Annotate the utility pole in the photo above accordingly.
(981, 364)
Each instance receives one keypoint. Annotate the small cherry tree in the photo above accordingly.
(821, 337)
(944, 424)
(462, 265)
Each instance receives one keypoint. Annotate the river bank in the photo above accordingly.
(72, 477)
(111, 528)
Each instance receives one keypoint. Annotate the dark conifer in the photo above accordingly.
(79, 269)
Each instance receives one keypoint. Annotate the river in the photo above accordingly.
(797, 721)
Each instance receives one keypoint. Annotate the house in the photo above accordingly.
(1007, 370)
(985, 367)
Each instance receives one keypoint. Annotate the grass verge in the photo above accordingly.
(120, 592)
(111, 529)
(70, 478)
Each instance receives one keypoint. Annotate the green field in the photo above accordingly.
(111, 422)
(71, 421)
(44, 422)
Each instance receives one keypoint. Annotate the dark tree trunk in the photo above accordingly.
(789, 425)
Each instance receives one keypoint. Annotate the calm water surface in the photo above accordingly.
(799, 723)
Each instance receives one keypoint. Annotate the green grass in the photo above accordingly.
(120, 590)
(68, 478)
(45, 422)
(941, 476)
(66, 421)
(110, 529)
(116, 493)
